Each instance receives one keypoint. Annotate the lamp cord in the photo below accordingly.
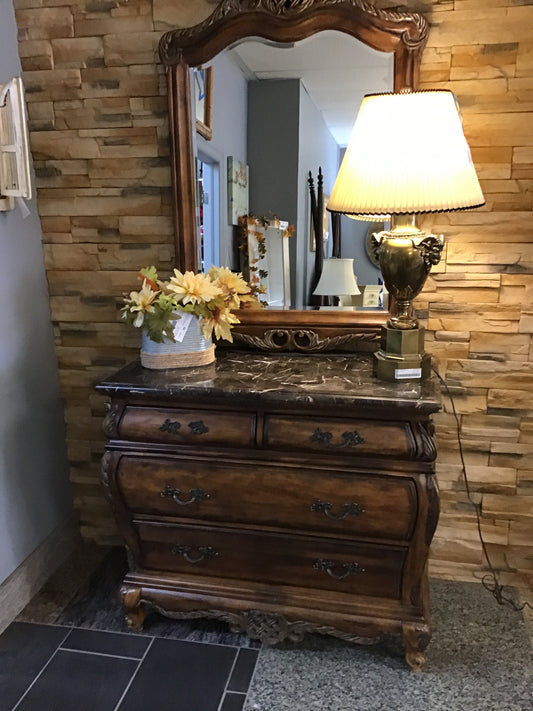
(489, 581)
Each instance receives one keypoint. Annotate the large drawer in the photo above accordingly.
(187, 426)
(334, 435)
(337, 502)
(273, 558)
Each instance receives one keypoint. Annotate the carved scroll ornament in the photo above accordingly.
(268, 627)
(112, 419)
(412, 27)
(425, 436)
(304, 340)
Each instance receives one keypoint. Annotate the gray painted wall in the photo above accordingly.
(273, 114)
(317, 149)
(273, 126)
(287, 138)
(34, 490)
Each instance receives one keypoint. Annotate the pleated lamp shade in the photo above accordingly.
(407, 154)
(337, 278)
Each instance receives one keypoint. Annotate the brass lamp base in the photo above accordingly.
(401, 356)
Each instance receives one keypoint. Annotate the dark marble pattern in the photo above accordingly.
(65, 583)
(329, 380)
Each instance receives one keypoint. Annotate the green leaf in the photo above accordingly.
(160, 323)
(149, 273)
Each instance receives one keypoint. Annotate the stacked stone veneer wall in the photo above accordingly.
(99, 137)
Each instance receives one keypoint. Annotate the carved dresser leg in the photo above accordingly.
(416, 637)
(133, 607)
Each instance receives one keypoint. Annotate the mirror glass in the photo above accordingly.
(280, 112)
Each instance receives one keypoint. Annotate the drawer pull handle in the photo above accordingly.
(198, 428)
(328, 566)
(325, 507)
(203, 553)
(349, 439)
(169, 426)
(170, 492)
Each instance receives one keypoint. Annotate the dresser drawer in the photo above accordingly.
(249, 492)
(272, 558)
(187, 426)
(350, 437)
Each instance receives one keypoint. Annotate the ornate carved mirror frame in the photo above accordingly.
(400, 32)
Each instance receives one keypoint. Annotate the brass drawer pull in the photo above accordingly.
(198, 427)
(327, 566)
(204, 553)
(172, 427)
(170, 492)
(350, 439)
(169, 426)
(325, 507)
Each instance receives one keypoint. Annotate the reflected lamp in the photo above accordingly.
(407, 156)
(337, 278)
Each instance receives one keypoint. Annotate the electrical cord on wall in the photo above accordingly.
(489, 581)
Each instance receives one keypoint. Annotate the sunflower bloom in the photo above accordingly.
(234, 287)
(140, 302)
(220, 321)
(191, 288)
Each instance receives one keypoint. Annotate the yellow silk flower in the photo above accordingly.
(220, 321)
(140, 301)
(191, 288)
(233, 286)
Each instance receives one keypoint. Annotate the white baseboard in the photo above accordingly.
(24, 582)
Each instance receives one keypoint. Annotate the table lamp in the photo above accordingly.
(337, 279)
(407, 155)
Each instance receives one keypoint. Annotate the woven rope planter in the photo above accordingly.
(193, 351)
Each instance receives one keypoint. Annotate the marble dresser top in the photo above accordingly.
(327, 380)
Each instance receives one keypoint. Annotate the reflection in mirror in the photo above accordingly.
(284, 111)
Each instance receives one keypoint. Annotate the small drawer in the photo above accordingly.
(335, 502)
(351, 437)
(273, 558)
(187, 426)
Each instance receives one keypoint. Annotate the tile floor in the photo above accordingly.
(70, 650)
(56, 668)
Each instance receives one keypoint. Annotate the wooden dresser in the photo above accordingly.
(282, 494)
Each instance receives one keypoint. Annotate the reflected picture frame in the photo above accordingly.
(203, 101)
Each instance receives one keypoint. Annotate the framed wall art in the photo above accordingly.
(203, 101)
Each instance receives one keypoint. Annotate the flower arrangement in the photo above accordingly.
(211, 297)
